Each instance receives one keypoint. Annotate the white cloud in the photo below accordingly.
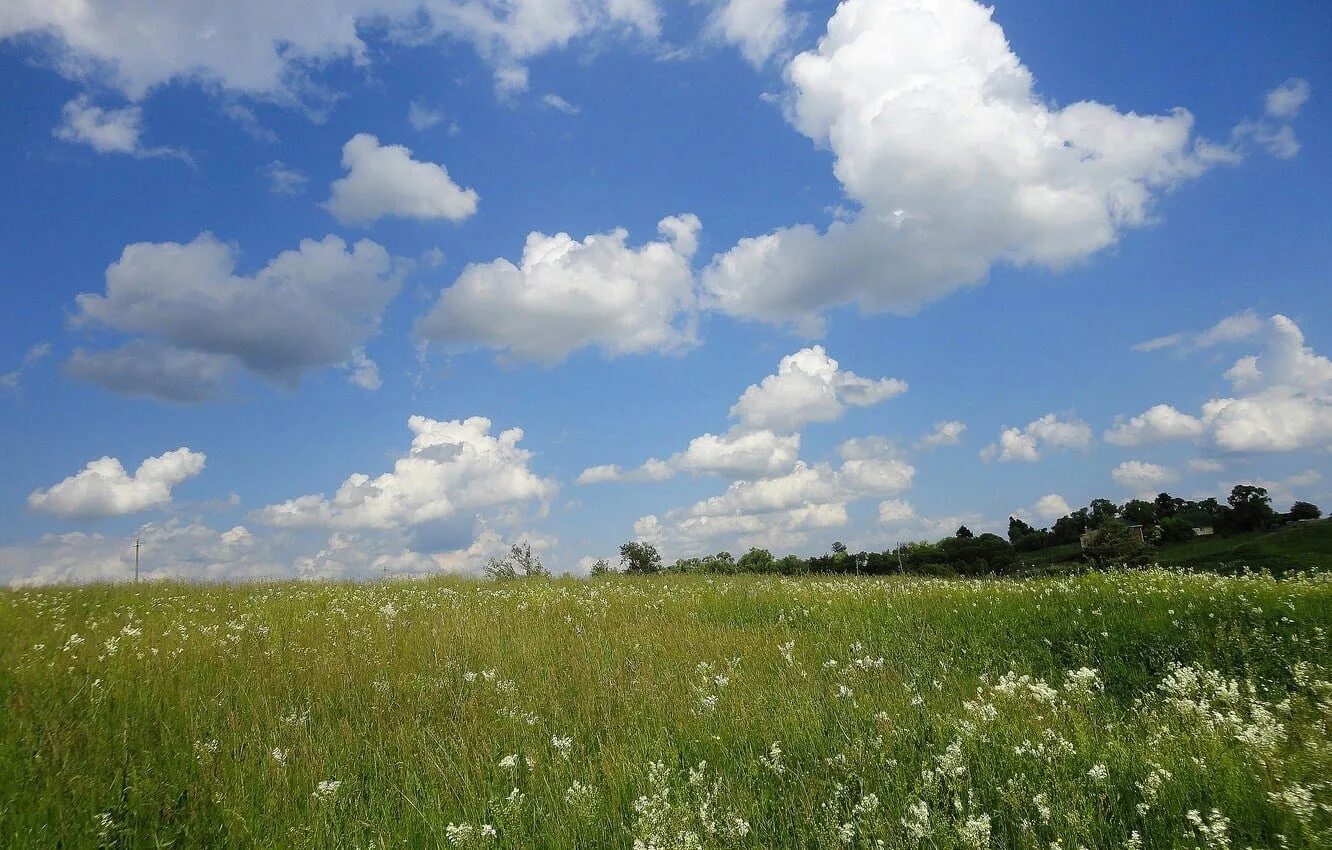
(284, 180)
(1205, 465)
(761, 29)
(1051, 507)
(271, 49)
(896, 512)
(104, 489)
(565, 294)
(452, 468)
(363, 372)
(947, 433)
(1236, 328)
(735, 453)
(1285, 100)
(1025, 444)
(652, 469)
(1159, 423)
(422, 116)
(1142, 477)
(107, 130)
(809, 387)
(34, 355)
(384, 180)
(558, 103)
(308, 307)
(956, 162)
(1285, 405)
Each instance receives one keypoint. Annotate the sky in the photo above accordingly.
(388, 286)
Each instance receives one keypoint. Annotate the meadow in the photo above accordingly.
(1137, 709)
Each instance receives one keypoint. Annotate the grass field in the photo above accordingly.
(1146, 709)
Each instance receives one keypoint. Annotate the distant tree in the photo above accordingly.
(792, 565)
(1017, 529)
(1250, 508)
(521, 561)
(974, 555)
(964, 533)
(1033, 542)
(838, 547)
(1101, 511)
(1304, 510)
(1139, 512)
(640, 558)
(501, 568)
(757, 561)
(1114, 545)
(601, 567)
(1176, 530)
(1068, 529)
(1166, 506)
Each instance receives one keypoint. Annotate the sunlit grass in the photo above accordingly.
(1127, 710)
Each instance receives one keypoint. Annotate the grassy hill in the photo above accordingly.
(1292, 548)
(1135, 709)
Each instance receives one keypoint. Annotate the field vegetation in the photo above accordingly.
(1121, 709)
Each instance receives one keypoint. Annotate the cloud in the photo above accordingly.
(363, 372)
(34, 355)
(284, 180)
(558, 103)
(452, 468)
(1051, 507)
(422, 116)
(1236, 328)
(1025, 444)
(384, 180)
(896, 512)
(307, 308)
(1285, 100)
(761, 29)
(735, 453)
(272, 50)
(1142, 477)
(107, 130)
(956, 163)
(1161, 422)
(149, 368)
(104, 489)
(1283, 401)
(809, 387)
(1205, 465)
(565, 294)
(947, 433)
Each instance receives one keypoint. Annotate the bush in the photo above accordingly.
(1115, 545)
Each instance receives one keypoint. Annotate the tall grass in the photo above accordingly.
(1146, 709)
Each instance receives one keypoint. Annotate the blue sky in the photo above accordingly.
(726, 264)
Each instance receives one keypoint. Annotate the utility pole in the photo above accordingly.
(137, 542)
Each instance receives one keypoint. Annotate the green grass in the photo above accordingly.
(1299, 547)
(804, 713)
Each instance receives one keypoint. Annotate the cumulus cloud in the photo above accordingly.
(896, 512)
(1283, 401)
(947, 433)
(107, 130)
(760, 29)
(1051, 507)
(269, 50)
(565, 294)
(104, 489)
(809, 386)
(35, 354)
(1205, 465)
(384, 180)
(1160, 422)
(1025, 444)
(1285, 100)
(1273, 132)
(1142, 477)
(452, 468)
(956, 164)
(195, 320)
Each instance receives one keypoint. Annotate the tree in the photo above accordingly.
(521, 561)
(1115, 545)
(1176, 530)
(1250, 508)
(838, 547)
(1167, 506)
(1138, 512)
(757, 561)
(500, 568)
(601, 567)
(1304, 510)
(640, 558)
(964, 533)
(1017, 529)
(1101, 511)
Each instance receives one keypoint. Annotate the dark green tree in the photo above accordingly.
(1250, 508)
(1115, 545)
(640, 558)
(1017, 529)
(964, 533)
(1138, 512)
(757, 561)
(1304, 510)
